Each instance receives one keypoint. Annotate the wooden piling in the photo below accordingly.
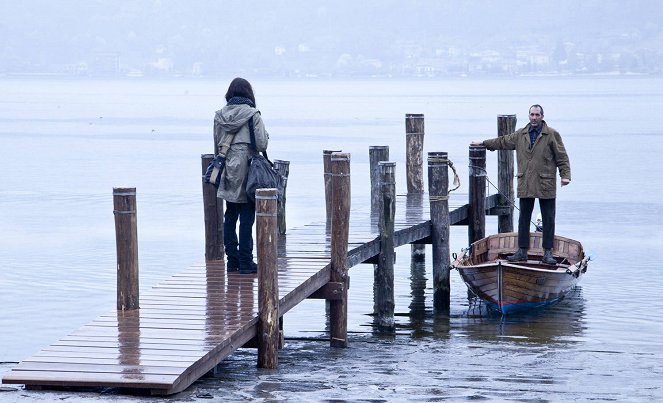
(414, 167)
(376, 154)
(282, 167)
(438, 191)
(506, 124)
(213, 214)
(268, 286)
(340, 226)
(126, 241)
(476, 228)
(414, 150)
(383, 301)
(326, 166)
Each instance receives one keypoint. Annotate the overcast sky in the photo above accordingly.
(275, 36)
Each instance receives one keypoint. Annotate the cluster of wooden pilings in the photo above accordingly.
(270, 223)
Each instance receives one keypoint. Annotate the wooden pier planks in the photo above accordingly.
(190, 322)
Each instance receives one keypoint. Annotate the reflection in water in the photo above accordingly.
(560, 322)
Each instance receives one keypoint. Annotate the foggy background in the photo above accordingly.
(303, 38)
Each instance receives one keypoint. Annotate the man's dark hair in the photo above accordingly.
(537, 106)
(239, 87)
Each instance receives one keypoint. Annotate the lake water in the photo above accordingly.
(65, 144)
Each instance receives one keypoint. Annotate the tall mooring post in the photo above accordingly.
(414, 168)
(326, 166)
(282, 167)
(340, 227)
(506, 124)
(268, 285)
(213, 213)
(126, 241)
(376, 154)
(476, 228)
(383, 275)
(438, 190)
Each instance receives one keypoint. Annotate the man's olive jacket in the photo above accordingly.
(538, 164)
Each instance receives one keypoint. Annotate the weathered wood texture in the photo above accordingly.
(326, 167)
(126, 241)
(414, 150)
(376, 154)
(340, 225)
(438, 189)
(477, 194)
(282, 167)
(268, 286)
(506, 124)
(414, 167)
(383, 301)
(213, 212)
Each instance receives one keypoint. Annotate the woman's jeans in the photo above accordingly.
(239, 253)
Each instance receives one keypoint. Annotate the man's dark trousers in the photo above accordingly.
(547, 207)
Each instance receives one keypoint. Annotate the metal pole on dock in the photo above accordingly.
(376, 154)
(340, 226)
(414, 167)
(476, 228)
(282, 167)
(213, 212)
(506, 124)
(326, 166)
(126, 241)
(383, 275)
(438, 191)
(268, 285)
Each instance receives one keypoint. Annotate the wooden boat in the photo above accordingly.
(514, 286)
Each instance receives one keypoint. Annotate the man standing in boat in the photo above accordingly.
(539, 153)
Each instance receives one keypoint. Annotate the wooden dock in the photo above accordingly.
(184, 327)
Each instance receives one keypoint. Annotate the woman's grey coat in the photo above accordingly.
(537, 165)
(232, 119)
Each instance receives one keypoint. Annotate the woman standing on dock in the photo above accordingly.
(232, 135)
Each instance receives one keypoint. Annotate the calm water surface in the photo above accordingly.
(65, 144)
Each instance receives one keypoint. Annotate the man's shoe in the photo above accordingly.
(249, 268)
(548, 257)
(519, 256)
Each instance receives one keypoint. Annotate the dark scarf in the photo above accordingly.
(241, 101)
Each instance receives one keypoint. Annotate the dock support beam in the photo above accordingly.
(506, 124)
(268, 283)
(376, 154)
(213, 212)
(438, 190)
(414, 166)
(282, 167)
(340, 226)
(126, 241)
(476, 228)
(383, 305)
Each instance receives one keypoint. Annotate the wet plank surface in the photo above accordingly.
(191, 321)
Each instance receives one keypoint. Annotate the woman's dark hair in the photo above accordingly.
(239, 87)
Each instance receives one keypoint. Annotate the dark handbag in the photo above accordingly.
(262, 174)
(214, 169)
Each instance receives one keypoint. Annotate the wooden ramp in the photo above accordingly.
(189, 323)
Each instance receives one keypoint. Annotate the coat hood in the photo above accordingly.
(232, 117)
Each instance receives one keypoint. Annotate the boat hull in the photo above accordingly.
(510, 287)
